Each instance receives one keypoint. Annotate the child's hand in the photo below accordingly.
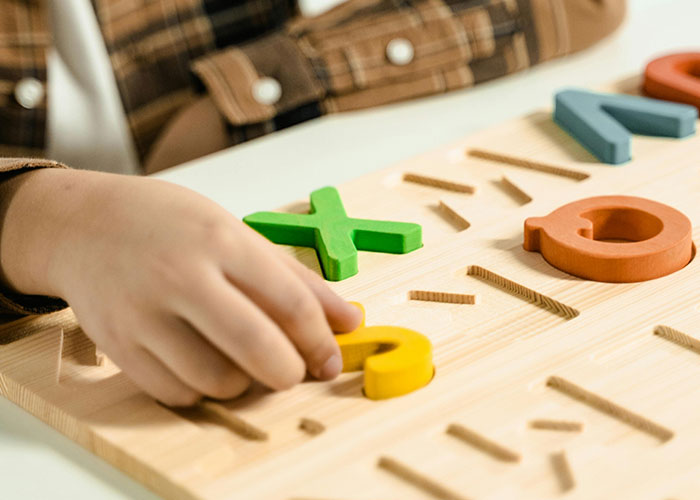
(185, 298)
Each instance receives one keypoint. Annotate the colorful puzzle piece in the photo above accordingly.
(603, 122)
(395, 360)
(675, 77)
(336, 237)
(649, 239)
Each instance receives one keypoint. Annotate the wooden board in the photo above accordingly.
(615, 366)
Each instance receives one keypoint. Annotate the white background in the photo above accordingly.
(38, 463)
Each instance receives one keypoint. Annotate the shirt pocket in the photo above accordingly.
(255, 82)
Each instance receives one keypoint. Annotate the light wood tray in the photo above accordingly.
(620, 361)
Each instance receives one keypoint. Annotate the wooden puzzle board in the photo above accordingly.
(621, 360)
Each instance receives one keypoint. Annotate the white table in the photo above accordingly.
(38, 463)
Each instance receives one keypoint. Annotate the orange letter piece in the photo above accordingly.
(618, 239)
(675, 78)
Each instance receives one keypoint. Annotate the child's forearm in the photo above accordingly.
(35, 211)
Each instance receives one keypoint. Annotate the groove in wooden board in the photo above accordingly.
(420, 481)
(514, 191)
(562, 469)
(444, 297)
(310, 498)
(313, 498)
(45, 349)
(483, 443)
(523, 292)
(678, 337)
(99, 356)
(511, 366)
(425, 180)
(22, 327)
(453, 217)
(556, 425)
(529, 164)
(59, 357)
(311, 426)
(64, 319)
(610, 408)
(235, 423)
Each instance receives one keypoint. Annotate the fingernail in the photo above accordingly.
(331, 368)
(358, 313)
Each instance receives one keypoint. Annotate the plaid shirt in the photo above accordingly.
(165, 52)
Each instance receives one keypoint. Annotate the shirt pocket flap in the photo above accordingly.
(255, 82)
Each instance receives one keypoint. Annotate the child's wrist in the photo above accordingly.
(35, 223)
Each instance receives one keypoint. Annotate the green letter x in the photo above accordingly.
(336, 237)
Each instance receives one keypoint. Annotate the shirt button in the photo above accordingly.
(399, 51)
(267, 90)
(29, 92)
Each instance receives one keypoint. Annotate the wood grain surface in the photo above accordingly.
(537, 345)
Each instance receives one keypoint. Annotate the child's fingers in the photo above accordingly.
(146, 371)
(342, 316)
(193, 359)
(243, 332)
(290, 302)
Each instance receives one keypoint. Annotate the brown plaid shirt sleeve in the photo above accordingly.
(14, 304)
